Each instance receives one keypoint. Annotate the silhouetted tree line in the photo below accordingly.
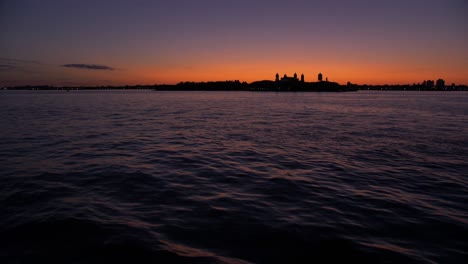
(266, 85)
(48, 87)
(427, 85)
(297, 86)
(205, 86)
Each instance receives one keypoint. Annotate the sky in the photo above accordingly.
(97, 42)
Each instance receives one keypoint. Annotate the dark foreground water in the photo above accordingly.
(233, 177)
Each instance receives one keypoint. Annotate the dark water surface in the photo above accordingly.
(233, 177)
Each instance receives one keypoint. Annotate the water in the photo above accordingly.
(233, 177)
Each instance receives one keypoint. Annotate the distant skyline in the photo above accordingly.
(74, 43)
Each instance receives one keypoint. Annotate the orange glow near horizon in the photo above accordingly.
(249, 71)
(359, 74)
(167, 42)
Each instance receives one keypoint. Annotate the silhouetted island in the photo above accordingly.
(283, 84)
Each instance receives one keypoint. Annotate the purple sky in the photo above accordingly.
(146, 42)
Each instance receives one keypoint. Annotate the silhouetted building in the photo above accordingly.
(302, 77)
(277, 77)
(440, 84)
(428, 84)
(320, 77)
(290, 79)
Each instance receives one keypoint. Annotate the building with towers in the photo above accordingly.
(286, 78)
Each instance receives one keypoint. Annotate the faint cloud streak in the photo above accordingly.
(17, 65)
(88, 66)
(7, 67)
(9, 60)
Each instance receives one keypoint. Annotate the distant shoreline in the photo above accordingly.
(259, 86)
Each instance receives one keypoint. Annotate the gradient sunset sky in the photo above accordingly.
(96, 42)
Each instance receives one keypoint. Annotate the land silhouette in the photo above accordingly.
(283, 84)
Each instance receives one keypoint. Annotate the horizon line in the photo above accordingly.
(212, 81)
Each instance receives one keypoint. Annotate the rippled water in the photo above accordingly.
(233, 177)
